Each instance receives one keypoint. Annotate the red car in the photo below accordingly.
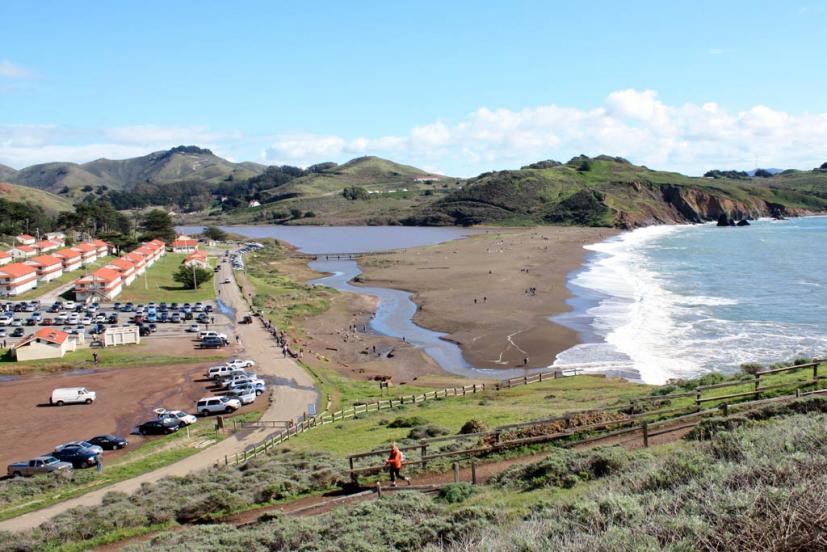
(46, 322)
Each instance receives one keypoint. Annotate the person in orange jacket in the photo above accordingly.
(394, 463)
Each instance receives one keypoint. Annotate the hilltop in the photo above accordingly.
(161, 167)
(611, 191)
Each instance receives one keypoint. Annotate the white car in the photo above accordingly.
(245, 394)
(256, 385)
(73, 319)
(17, 323)
(100, 318)
(193, 328)
(6, 320)
(217, 405)
(228, 381)
(69, 305)
(238, 363)
(181, 416)
(86, 320)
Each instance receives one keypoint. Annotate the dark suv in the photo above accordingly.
(79, 455)
(161, 426)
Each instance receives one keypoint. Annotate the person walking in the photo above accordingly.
(99, 462)
(394, 463)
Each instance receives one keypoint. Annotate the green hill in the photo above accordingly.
(188, 163)
(22, 194)
(610, 191)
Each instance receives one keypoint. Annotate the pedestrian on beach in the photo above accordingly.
(284, 350)
(394, 463)
(237, 339)
(95, 358)
(525, 361)
(99, 463)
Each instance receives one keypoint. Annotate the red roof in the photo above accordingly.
(4, 254)
(67, 253)
(185, 243)
(135, 257)
(99, 243)
(45, 260)
(45, 243)
(51, 335)
(158, 243)
(86, 247)
(107, 274)
(123, 264)
(200, 255)
(16, 270)
(25, 248)
(25, 237)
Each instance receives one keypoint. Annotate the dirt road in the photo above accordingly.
(294, 392)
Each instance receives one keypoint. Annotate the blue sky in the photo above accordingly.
(457, 87)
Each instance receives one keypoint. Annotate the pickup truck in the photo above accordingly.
(41, 464)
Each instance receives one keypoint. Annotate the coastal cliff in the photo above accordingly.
(610, 191)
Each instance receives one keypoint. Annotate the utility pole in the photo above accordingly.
(194, 278)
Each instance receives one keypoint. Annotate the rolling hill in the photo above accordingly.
(51, 203)
(162, 167)
(610, 191)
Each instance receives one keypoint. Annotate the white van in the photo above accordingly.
(69, 395)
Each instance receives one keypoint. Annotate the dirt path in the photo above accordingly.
(292, 394)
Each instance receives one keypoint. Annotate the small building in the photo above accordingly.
(17, 278)
(22, 251)
(184, 244)
(45, 246)
(254, 203)
(25, 239)
(138, 260)
(103, 284)
(126, 268)
(57, 237)
(48, 267)
(103, 247)
(71, 258)
(428, 178)
(5, 258)
(88, 253)
(198, 258)
(159, 245)
(121, 335)
(44, 343)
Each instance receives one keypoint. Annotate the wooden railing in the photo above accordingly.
(310, 422)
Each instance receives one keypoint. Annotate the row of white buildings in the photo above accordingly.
(108, 282)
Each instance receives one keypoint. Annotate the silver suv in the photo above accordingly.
(217, 405)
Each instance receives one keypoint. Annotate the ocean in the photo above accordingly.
(678, 301)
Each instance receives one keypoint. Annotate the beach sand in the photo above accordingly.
(493, 293)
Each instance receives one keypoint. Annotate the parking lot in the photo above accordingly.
(19, 319)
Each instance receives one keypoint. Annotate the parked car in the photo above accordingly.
(218, 372)
(69, 395)
(35, 466)
(245, 394)
(161, 426)
(79, 456)
(109, 442)
(193, 328)
(97, 449)
(239, 363)
(213, 343)
(182, 417)
(255, 383)
(217, 405)
(18, 332)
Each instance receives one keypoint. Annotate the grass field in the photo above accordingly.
(67, 277)
(157, 284)
(111, 357)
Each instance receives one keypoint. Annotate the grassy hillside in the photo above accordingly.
(606, 191)
(162, 167)
(22, 194)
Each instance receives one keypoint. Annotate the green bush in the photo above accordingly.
(473, 426)
(454, 493)
(412, 421)
(427, 431)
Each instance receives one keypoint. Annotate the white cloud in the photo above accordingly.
(632, 123)
(10, 70)
(636, 124)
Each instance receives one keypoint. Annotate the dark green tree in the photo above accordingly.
(355, 192)
(192, 277)
(157, 224)
(215, 233)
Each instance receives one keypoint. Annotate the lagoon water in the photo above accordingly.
(677, 301)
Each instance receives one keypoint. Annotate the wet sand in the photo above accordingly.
(493, 293)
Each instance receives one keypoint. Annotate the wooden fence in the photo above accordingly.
(310, 422)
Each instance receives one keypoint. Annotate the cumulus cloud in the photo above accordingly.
(636, 124)
(10, 70)
(632, 123)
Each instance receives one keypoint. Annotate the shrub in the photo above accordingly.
(427, 431)
(412, 421)
(473, 426)
(454, 493)
(751, 367)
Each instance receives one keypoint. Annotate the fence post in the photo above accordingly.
(645, 427)
(757, 384)
(797, 392)
(473, 472)
(725, 409)
(475, 389)
(378, 489)
(422, 453)
(525, 380)
(456, 472)
(226, 462)
(815, 371)
(541, 378)
(697, 396)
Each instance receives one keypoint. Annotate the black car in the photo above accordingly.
(143, 330)
(17, 332)
(213, 343)
(152, 328)
(161, 426)
(108, 442)
(78, 455)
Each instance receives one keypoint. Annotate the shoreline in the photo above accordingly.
(497, 292)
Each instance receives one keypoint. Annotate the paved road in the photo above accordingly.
(292, 394)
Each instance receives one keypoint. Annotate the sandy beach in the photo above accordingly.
(493, 293)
